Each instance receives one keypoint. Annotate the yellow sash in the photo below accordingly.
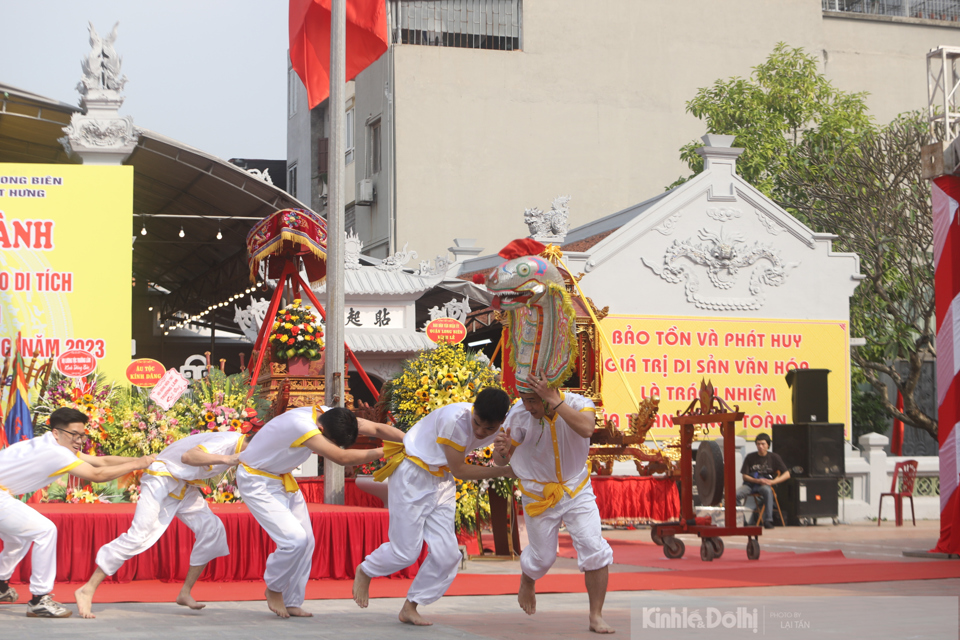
(289, 482)
(183, 492)
(552, 494)
(395, 453)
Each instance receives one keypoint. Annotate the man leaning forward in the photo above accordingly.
(170, 489)
(422, 497)
(273, 497)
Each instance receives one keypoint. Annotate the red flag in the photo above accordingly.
(896, 438)
(310, 41)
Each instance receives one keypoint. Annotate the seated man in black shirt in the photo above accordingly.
(761, 470)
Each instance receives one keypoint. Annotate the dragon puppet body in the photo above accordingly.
(539, 322)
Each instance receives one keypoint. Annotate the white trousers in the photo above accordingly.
(582, 518)
(422, 508)
(156, 509)
(285, 518)
(21, 525)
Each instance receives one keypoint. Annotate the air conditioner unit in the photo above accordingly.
(365, 192)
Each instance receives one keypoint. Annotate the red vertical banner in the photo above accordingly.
(896, 438)
(946, 234)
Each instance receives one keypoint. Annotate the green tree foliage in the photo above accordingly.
(869, 414)
(785, 100)
(814, 150)
(870, 193)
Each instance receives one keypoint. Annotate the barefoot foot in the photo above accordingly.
(84, 596)
(275, 602)
(410, 615)
(297, 612)
(597, 625)
(361, 589)
(186, 600)
(528, 595)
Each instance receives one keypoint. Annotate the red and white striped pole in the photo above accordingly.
(946, 256)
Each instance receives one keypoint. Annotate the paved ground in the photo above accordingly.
(565, 615)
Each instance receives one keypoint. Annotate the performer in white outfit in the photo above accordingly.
(31, 465)
(171, 488)
(422, 497)
(546, 440)
(273, 497)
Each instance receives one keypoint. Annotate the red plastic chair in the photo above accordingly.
(909, 470)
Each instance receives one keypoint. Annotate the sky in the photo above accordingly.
(208, 73)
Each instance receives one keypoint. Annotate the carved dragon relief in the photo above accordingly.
(723, 256)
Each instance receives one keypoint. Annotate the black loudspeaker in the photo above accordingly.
(810, 450)
(810, 396)
(810, 498)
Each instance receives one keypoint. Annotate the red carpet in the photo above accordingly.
(475, 585)
(730, 571)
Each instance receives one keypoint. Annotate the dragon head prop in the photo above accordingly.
(539, 318)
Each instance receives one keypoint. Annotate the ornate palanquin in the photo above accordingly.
(287, 234)
(610, 442)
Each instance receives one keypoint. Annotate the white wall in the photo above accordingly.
(594, 106)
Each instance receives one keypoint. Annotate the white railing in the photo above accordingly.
(468, 24)
(946, 10)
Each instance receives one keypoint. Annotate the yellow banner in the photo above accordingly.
(747, 361)
(65, 261)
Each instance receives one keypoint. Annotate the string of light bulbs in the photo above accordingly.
(182, 233)
(190, 320)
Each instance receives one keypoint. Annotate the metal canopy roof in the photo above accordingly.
(175, 186)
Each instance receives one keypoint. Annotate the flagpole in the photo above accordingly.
(333, 371)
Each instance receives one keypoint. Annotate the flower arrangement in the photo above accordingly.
(141, 426)
(221, 490)
(472, 496)
(220, 402)
(470, 502)
(92, 395)
(295, 332)
(125, 422)
(92, 493)
(435, 378)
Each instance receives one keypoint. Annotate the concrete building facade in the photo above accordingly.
(584, 100)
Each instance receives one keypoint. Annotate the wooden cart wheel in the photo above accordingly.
(706, 549)
(753, 549)
(655, 536)
(673, 548)
(717, 547)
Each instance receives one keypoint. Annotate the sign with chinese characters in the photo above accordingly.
(65, 262)
(169, 389)
(745, 359)
(370, 317)
(446, 330)
(144, 372)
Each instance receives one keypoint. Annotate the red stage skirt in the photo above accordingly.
(625, 500)
(622, 500)
(312, 489)
(345, 535)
